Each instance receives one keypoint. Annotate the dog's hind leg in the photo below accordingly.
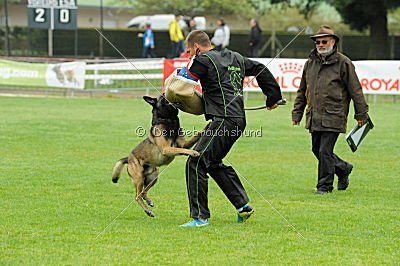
(135, 170)
(150, 178)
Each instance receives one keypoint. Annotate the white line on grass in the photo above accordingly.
(262, 196)
(105, 228)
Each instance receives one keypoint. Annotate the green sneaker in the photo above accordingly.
(196, 223)
(245, 213)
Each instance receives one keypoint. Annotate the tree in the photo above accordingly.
(372, 14)
(361, 15)
(9, 2)
(4, 5)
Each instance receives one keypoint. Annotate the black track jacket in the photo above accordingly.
(221, 75)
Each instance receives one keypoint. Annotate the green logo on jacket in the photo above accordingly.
(236, 80)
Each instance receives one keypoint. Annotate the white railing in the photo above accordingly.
(107, 73)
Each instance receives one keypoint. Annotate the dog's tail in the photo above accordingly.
(118, 169)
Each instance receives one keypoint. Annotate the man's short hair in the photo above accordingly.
(199, 37)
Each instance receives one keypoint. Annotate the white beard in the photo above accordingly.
(325, 51)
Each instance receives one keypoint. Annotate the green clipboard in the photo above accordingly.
(357, 134)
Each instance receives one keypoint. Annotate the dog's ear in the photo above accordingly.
(150, 100)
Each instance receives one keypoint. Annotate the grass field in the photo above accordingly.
(57, 195)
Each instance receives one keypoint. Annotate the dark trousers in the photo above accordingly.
(177, 48)
(213, 146)
(329, 164)
(254, 50)
(148, 51)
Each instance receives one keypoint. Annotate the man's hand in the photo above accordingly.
(272, 107)
(296, 123)
(360, 123)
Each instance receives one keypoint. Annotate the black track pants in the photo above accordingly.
(329, 164)
(213, 147)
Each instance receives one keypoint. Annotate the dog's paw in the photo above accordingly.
(149, 202)
(195, 153)
(149, 213)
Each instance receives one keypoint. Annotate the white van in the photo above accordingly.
(161, 22)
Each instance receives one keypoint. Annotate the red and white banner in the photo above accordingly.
(379, 77)
(376, 77)
(287, 73)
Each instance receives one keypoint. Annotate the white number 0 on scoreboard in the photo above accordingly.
(64, 15)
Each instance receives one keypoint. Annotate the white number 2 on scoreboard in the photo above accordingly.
(39, 15)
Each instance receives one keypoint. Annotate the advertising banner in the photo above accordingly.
(376, 77)
(379, 77)
(63, 75)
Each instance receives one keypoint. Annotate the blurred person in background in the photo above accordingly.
(255, 38)
(328, 83)
(148, 42)
(221, 35)
(192, 25)
(176, 37)
(189, 26)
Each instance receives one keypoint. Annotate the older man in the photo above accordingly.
(328, 84)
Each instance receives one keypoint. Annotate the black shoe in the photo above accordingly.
(322, 192)
(343, 181)
(245, 214)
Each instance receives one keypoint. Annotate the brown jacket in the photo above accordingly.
(326, 88)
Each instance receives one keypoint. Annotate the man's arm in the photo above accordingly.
(265, 80)
(198, 70)
(227, 35)
(355, 90)
(301, 101)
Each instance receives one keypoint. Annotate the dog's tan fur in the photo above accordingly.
(156, 150)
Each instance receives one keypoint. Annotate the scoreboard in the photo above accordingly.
(52, 14)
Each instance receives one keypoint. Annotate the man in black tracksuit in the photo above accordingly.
(221, 75)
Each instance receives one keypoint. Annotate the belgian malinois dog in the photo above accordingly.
(164, 142)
